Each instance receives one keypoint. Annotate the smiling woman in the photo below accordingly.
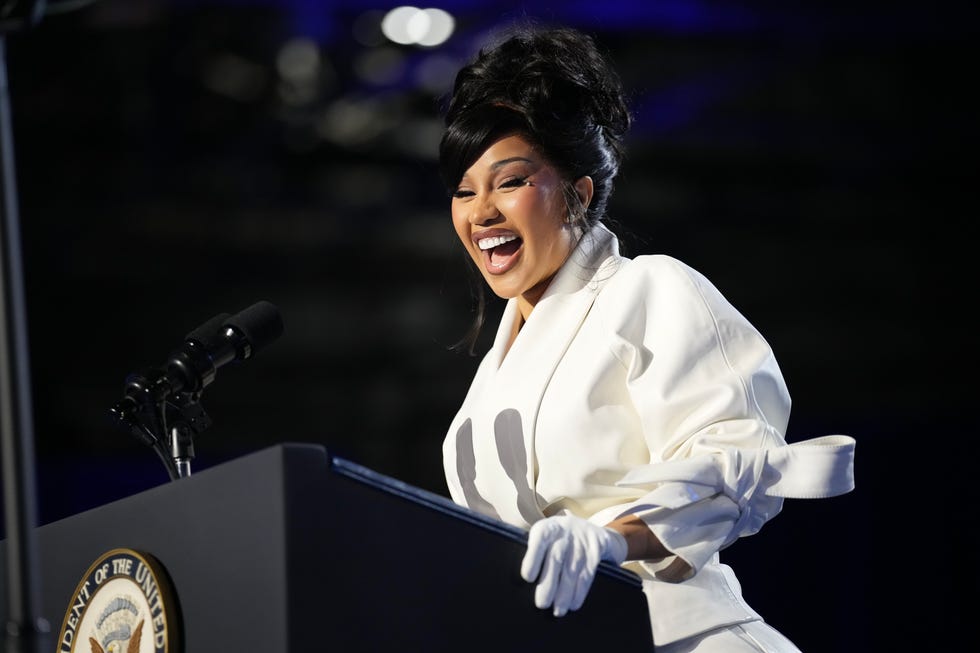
(510, 214)
(558, 133)
(626, 410)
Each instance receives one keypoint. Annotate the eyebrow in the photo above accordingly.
(496, 165)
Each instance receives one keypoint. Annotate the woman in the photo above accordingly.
(626, 411)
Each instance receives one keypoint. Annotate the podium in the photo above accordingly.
(289, 549)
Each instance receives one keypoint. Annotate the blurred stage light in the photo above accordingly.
(419, 138)
(439, 29)
(299, 60)
(352, 122)
(235, 77)
(408, 25)
(300, 71)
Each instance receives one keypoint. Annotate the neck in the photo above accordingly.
(528, 300)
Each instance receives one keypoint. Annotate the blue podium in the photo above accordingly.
(291, 550)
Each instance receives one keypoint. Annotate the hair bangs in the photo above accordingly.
(471, 133)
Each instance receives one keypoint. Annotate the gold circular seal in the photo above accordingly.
(123, 604)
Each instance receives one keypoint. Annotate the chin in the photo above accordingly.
(504, 291)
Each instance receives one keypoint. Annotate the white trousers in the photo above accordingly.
(750, 637)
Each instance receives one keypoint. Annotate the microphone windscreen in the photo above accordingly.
(260, 324)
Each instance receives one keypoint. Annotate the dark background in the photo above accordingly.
(175, 160)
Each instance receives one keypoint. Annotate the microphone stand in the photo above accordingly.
(26, 630)
(164, 420)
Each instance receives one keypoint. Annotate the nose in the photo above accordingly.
(484, 210)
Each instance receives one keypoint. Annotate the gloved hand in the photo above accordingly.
(563, 553)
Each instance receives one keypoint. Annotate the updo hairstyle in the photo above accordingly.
(554, 88)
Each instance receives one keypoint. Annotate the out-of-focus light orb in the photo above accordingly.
(418, 25)
(298, 60)
(351, 121)
(235, 77)
(395, 24)
(407, 25)
(440, 28)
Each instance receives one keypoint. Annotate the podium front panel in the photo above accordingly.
(288, 549)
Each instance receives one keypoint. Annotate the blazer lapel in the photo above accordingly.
(524, 373)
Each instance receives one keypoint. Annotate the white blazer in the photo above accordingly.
(636, 387)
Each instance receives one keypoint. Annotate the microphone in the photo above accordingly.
(221, 340)
(162, 407)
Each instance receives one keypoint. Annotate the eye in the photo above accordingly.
(514, 182)
(460, 193)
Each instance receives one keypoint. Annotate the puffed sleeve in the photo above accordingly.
(709, 394)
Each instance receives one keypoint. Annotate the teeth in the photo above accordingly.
(487, 243)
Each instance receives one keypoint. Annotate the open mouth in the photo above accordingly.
(500, 252)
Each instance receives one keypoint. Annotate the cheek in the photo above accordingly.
(460, 224)
(549, 225)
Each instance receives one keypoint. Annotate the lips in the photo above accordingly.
(501, 249)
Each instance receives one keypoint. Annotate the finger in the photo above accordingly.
(538, 543)
(551, 573)
(582, 585)
(579, 562)
(565, 591)
(590, 558)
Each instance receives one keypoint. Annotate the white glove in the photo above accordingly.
(566, 551)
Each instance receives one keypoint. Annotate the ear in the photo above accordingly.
(584, 190)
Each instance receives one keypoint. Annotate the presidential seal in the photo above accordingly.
(123, 604)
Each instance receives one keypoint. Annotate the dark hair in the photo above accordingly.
(556, 89)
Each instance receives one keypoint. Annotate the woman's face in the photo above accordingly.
(510, 213)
